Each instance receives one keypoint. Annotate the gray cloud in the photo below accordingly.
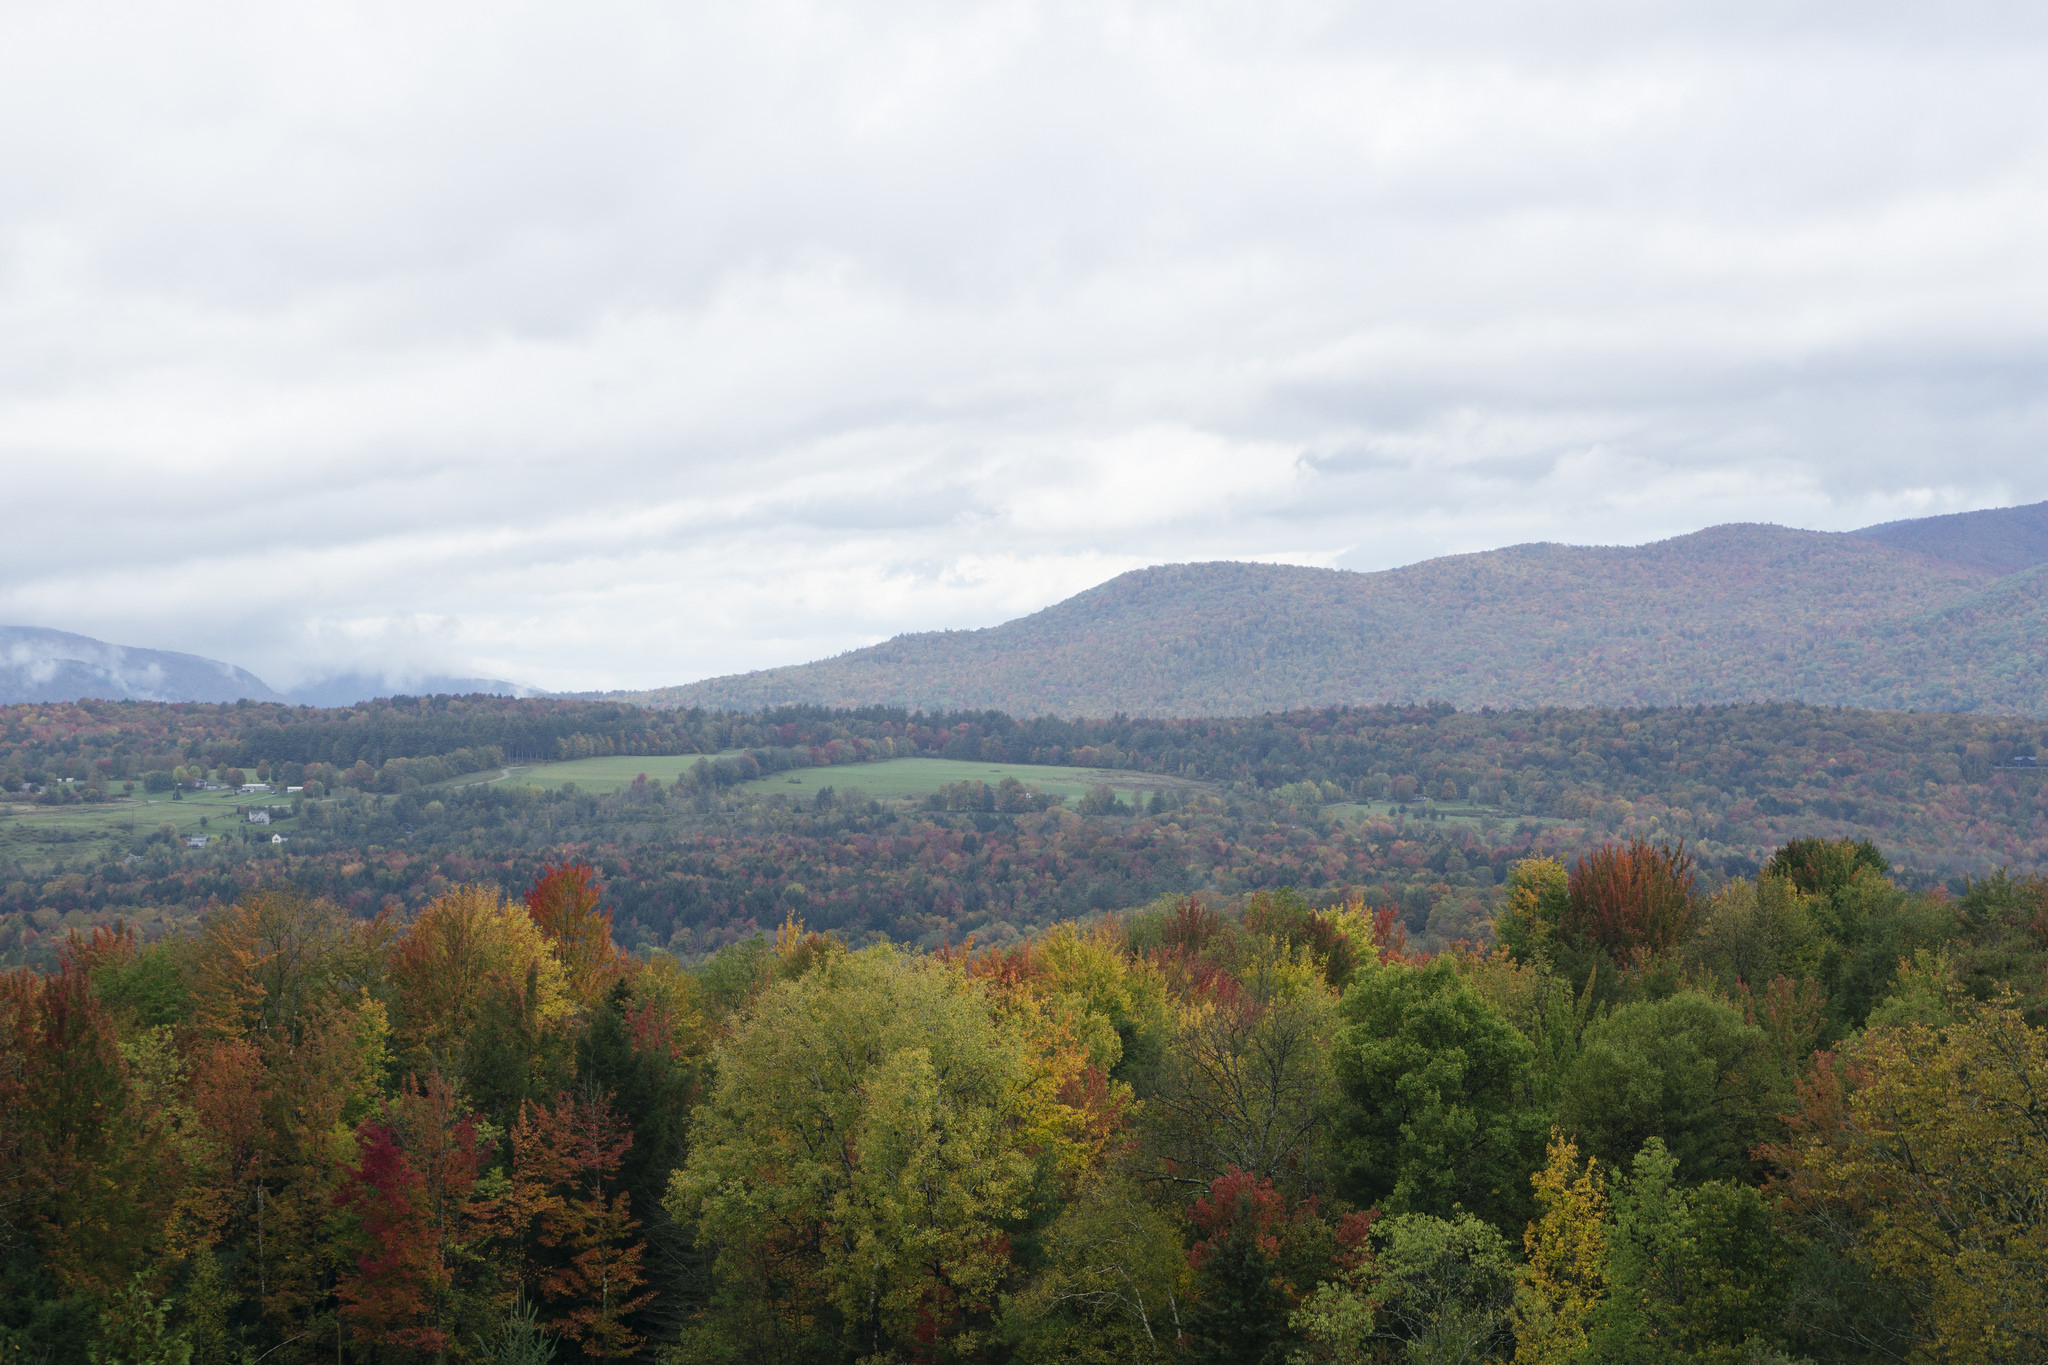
(625, 344)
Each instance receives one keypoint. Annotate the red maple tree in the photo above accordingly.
(412, 1191)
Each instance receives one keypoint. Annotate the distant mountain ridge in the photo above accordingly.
(38, 665)
(53, 665)
(1999, 540)
(1943, 613)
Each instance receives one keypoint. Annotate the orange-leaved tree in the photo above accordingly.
(267, 962)
(577, 1225)
(1634, 899)
(567, 904)
(285, 1049)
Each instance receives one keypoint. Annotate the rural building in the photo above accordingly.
(259, 817)
(196, 840)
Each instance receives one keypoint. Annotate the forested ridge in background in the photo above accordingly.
(54, 665)
(1943, 613)
(399, 806)
(2000, 540)
(1936, 613)
(1788, 1120)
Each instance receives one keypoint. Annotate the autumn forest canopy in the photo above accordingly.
(552, 1030)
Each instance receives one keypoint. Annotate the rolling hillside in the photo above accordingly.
(1949, 613)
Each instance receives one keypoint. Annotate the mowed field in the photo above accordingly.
(894, 779)
(901, 777)
(597, 774)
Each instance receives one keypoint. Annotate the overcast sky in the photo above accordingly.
(605, 344)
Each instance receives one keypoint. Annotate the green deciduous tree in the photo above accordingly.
(1686, 1070)
(1823, 867)
(1114, 1286)
(1692, 1275)
(1442, 1288)
(1437, 1083)
(1437, 1291)
(135, 1329)
(1752, 932)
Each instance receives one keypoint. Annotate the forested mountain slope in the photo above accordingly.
(2001, 539)
(1898, 618)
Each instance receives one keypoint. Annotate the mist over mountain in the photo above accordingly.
(346, 689)
(1944, 613)
(38, 665)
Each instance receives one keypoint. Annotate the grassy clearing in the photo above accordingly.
(40, 836)
(595, 774)
(906, 777)
(894, 779)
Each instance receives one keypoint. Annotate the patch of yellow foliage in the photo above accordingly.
(1566, 1276)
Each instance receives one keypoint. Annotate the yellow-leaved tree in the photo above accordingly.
(1934, 1154)
(873, 1137)
(1566, 1275)
(481, 994)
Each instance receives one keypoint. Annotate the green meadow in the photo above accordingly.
(905, 777)
(595, 774)
(892, 779)
(914, 778)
